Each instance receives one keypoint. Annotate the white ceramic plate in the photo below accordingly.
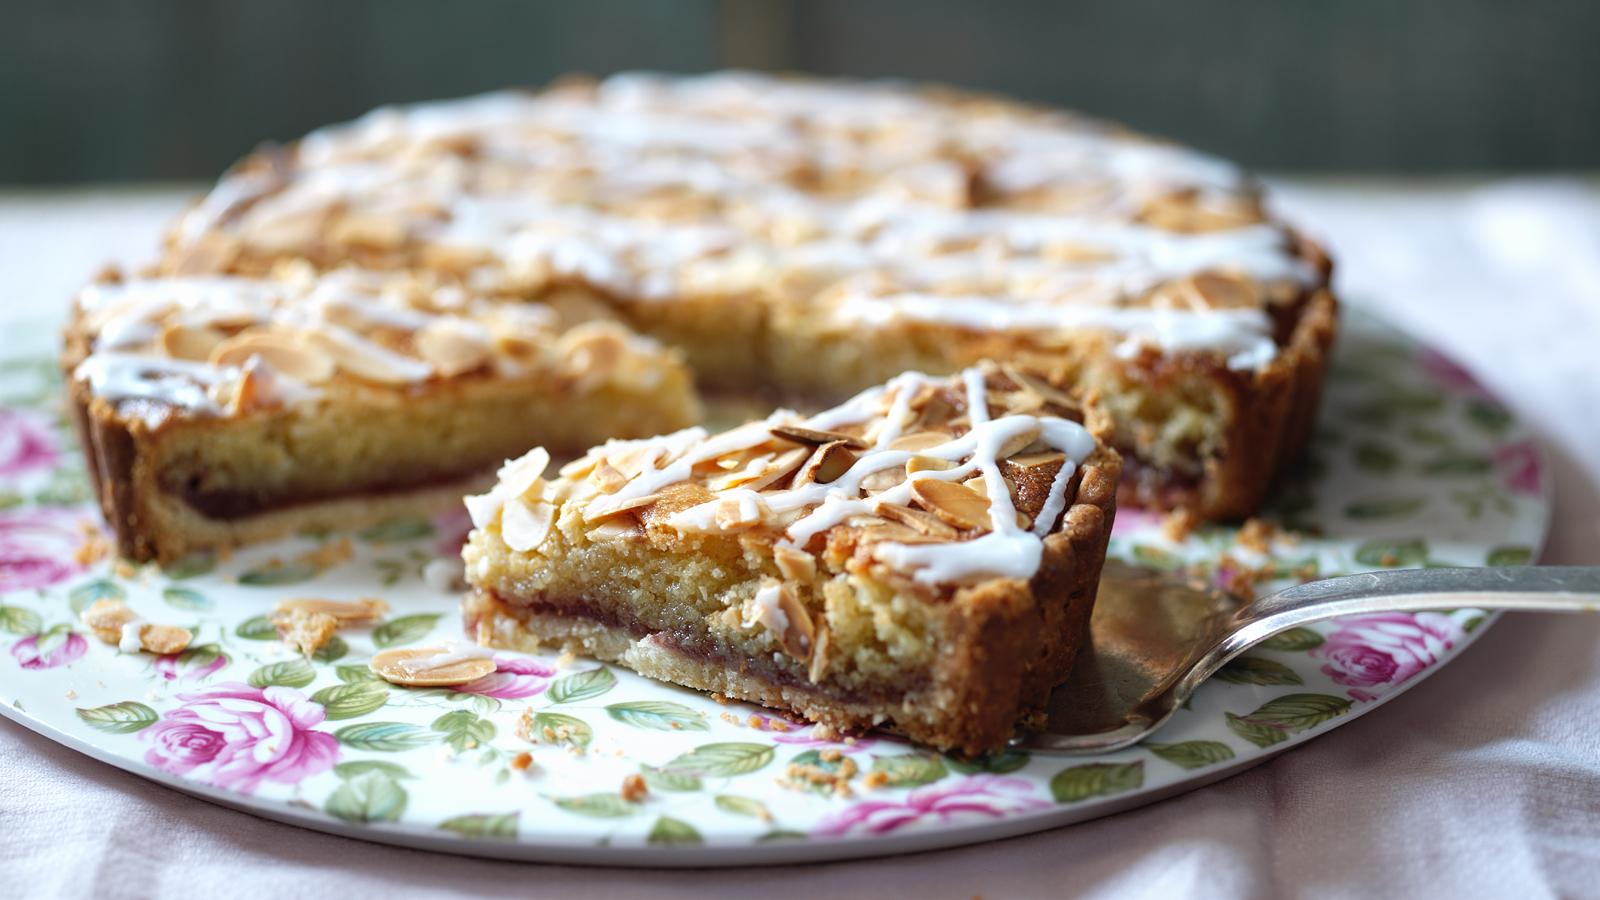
(1414, 465)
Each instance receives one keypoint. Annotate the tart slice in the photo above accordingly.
(221, 411)
(923, 557)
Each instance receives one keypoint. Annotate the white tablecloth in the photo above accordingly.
(1484, 780)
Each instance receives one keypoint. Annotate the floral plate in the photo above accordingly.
(1415, 465)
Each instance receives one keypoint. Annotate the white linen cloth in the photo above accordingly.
(1482, 781)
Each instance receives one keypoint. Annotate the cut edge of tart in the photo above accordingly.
(922, 558)
(216, 412)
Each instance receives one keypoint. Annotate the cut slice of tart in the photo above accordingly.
(220, 411)
(923, 557)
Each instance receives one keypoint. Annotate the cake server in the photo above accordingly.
(1154, 638)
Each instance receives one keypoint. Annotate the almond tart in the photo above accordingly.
(922, 558)
(808, 238)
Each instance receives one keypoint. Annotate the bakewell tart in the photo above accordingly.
(809, 238)
(222, 410)
(922, 558)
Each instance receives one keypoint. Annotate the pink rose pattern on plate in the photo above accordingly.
(37, 546)
(1373, 653)
(235, 736)
(54, 647)
(27, 444)
(193, 664)
(513, 678)
(978, 796)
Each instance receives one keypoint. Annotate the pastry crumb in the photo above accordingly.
(304, 630)
(634, 790)
(1257, 535)
(1179, 525)
(522, 762)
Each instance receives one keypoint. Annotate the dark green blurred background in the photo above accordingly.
(103, 90)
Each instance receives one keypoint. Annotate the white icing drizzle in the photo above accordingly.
(170, 382)
(444, 654)
(1006, 551)
(766, 610)
(129, 640)
(1245, 335)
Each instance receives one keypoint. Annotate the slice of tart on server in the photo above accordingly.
(923, 557)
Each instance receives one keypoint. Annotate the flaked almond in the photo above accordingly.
(106, 619)
(920, 463)
(820, 655)
(618, 528)
(884, 479)
(191, 342)
(1217, 291)
(799, 639)
(164, 639)
(1038, 386)
(826, 464)
(367, 230)
(675, 498)
(1017, 442)
(795, 565)
(594, 350)
(366, 359)
(609, 506)
(278, 350)
(763, 471)
(526, 526)
(919, 440)
(251, 391)
(895, 533)
(1042, 459)
(431, 666)
(114, 622)
(452, 346)
(739, 512)
(606, 477)
(345, 612)
(957, 504)
(523, 477)
(816, 438)
(925, 522)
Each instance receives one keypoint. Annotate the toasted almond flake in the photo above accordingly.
(164, 639)
(925, 522)
(452, 346)
(190, 342)
(606, 477)
(251, 391)
(1214, 290)
(1038, 386)
(884, 479)
(365, 359)
(520, 476)
(919, 440)
(796, 565)
(368, 230)
(816, 438)
(345, 612)
(279, 350)
(778, 469)
(820, 655)
(429, 666)
(618, 528)
(895, 533)
(106, 618)
(610, 507)
(957, 504)
(1017, 443)
(927, 463)
(826, 464)
(526, 526)
(739, 512)
(799, 638)
(595, 349)
(1038, 460)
